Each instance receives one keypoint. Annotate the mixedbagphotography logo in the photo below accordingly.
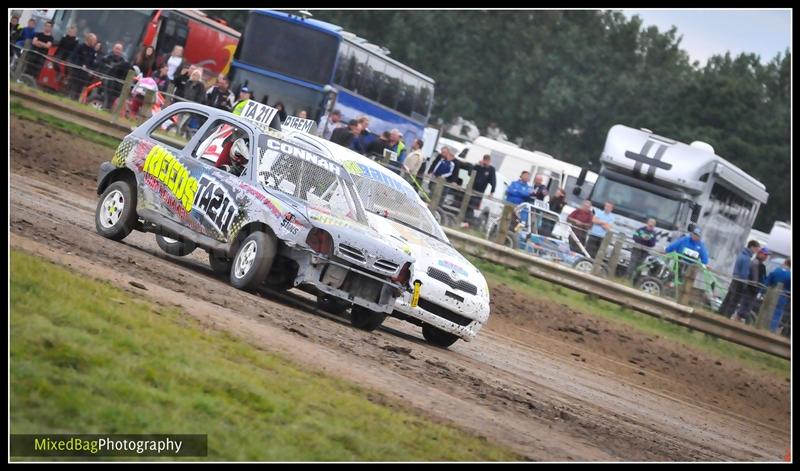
(108, 445)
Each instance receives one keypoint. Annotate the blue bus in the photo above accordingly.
(315, 66)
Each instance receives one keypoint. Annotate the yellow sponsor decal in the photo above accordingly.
(415, 296)
(168, 170)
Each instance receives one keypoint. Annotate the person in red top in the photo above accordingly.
(581, 221)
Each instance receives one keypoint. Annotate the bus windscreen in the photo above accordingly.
(288, 48)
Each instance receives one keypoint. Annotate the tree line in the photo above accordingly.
(560, 79)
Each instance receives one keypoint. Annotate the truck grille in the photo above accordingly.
(443, 313)
(461, 285)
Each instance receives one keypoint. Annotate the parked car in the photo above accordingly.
(267, 205)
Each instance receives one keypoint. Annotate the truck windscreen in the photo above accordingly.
(636, 203)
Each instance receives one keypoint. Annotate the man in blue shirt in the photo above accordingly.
(741, 272)
(520, 190)
(783, 275)
(602, 224)
(691, 246)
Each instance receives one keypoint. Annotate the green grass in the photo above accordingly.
(591, 305)
(87, 357)
(21, 111)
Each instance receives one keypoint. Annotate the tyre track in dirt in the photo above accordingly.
(544, 407)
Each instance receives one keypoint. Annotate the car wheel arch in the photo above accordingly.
(124, 174)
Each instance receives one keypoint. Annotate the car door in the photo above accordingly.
(215, 207)
(168, 185)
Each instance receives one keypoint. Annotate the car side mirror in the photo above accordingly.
(695, 212)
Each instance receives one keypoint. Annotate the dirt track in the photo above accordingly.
(549, 382)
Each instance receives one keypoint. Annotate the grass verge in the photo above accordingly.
(21, 111)
(537, 288)
(87, 357)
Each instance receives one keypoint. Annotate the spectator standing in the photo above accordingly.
(556, 204)
(182, 78)
(644, 240)
(397, 146)
(114, 65)
(364, 137)
(485, 175)
(520, 191)
(84, 58)
(415, 158)
(375, 148)
(445, 167)
(281, 111)
(602, 223)
(741, 273)
(581, 221)
(782, 274)
(195, 89)
(539, 189)
(41, 44)
(328, 123)
(161, 78)
(758, 276)
(146, 61)
(14, 33)
(219, 96)
(175, 62)
(690, 247)
(303, 114)
(244, 95)
(27, 33)
(344, 136)
(67, 44)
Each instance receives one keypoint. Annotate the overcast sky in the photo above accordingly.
(709, 32)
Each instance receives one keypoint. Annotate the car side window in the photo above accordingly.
(177, 129)
(218, 147)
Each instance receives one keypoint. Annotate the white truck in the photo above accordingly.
(646, 175)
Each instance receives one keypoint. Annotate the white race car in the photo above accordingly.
(449, 297)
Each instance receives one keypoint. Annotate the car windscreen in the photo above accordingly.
(397, 206)
(325, 186)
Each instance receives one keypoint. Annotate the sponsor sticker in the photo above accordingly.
(167, 169)
(300, 124)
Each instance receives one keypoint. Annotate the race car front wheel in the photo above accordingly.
(364, 319)
(438, 337)
(253, 261)
(178, 248)
(115, 215)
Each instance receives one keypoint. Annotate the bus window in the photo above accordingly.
(407, 92)
(423, 101)
(391, 89)
(289, 48)
(342, 65)
(372, 81)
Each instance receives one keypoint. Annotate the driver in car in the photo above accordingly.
(239, 156)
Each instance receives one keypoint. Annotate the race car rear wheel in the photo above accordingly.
(331, 305)
(115, 215)
(438, 337)
(178, 248)
(364, 319)
(219, 264)
(253, 261)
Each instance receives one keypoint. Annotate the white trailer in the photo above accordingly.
(646, 175)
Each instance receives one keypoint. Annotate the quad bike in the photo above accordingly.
(663, 276)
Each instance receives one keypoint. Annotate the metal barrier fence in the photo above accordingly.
(533, 229)
(530, 228)
(123, 97)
